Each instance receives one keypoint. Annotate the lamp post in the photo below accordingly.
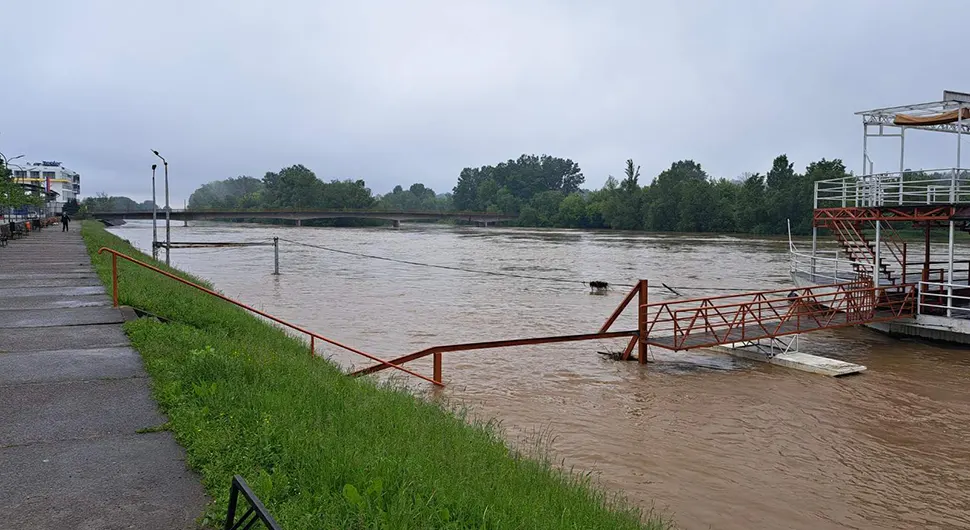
(23, 181)
(6, 161)
(168, 211)
(154, 217)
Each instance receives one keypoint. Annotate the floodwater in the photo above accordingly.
(713, 441)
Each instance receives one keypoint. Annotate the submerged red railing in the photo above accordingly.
(711, 321)
(436, 380)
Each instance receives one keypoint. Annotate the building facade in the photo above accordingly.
(52, 177)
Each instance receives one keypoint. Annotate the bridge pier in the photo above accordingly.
(299, 222)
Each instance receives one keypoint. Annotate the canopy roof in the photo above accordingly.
(942, 116)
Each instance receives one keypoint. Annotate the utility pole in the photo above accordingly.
(168, 213)
(154, 217)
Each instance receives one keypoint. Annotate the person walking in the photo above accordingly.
(64, 221)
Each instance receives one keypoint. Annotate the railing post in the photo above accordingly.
(642, 323)
(231, 512)
(312, 346)
(919, 298)
(114, 278)
(904, 262)
(877, 264)
(276, 256)
(437, 367)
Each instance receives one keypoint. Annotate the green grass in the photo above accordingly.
(324, 450)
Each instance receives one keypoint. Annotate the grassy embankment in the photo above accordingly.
(323, 450)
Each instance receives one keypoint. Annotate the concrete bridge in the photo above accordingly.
(395, 217)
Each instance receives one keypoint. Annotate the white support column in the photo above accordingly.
(959, 132)
(949, 275)
(814, 247)
(875, 267)
(902, 161)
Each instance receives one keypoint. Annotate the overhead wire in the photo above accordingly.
(664, 286)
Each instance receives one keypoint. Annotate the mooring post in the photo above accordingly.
(437, 368)
(276, 256)
(642, 323)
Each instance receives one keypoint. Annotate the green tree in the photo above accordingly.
(573, 211)
(231, 193)
(664, 212)
(508, 185)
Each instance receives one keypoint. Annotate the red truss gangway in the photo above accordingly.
(720, 320)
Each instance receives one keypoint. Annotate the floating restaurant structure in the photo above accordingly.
(865, 213)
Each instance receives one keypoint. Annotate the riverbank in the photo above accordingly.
(323, 450)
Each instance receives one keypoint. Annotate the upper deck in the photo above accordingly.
(948, 186)
(905, 188)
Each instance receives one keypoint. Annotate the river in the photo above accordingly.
(708, 439)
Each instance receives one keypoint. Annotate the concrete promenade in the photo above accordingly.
(73, 396)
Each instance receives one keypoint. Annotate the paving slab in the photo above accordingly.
(13, 292)
(61, 337)
(44, 254)
(39, 281)
(70, 316)
(54, 302)
(65, 365)
(137, 481)
(59, 275)
(47, 412)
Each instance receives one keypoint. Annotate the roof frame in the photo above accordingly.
(886, 116)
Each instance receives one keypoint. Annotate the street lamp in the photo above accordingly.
(6, 161)
(168, 211)
(24, 177)
(23, 171)
(154, 217)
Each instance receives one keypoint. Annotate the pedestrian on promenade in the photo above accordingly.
(64, 220)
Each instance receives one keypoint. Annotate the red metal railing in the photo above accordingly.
(436, 380)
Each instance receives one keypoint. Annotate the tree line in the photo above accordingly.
(546, 191)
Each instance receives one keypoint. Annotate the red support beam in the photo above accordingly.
(824, 217)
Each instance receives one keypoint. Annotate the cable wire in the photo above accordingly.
(506, 274)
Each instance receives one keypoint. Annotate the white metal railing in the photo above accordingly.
(935, 298)
(822, 269)
(900, 188)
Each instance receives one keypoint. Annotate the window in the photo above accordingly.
(48, 174)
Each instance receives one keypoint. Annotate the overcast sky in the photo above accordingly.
(396, 92)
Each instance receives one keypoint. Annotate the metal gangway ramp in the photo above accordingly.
(695, 323)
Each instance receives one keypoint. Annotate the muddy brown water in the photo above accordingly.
(710, 440)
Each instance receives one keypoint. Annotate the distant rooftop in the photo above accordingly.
(951, 114)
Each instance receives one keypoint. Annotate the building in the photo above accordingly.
(52, 177)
